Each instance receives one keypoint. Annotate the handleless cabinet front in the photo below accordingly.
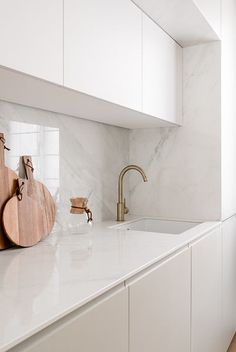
(31, 37)
(162, 74)
(102, 47)
(160, 307)
(101, 327)
(229, 279)
(207, 294)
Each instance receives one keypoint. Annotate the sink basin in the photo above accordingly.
(159, 226)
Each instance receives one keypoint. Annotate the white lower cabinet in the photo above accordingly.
(207, 294)
(102, 327)
(160, 307)
(229, 280)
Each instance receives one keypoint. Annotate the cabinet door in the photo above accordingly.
(101, 328)
(162, 73)
(160, 308)
(206, 294)
(31, 33)
(102, 42)
(229, 280)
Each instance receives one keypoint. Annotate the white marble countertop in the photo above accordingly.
(41, 284)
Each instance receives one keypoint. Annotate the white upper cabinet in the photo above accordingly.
(112, 62)
(102, 42)
(31, 37)
(162, 74)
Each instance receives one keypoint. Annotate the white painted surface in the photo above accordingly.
(158, 226)
(229, 280)
(31, 36)
(228, 108)
(102, 45)
(101, 327)
(115, 69)
(160, 307)
(72, 270)
(47, 96)
(207, 294)
(181, 19)
(162, 73)
(183, 165)
(211, 10)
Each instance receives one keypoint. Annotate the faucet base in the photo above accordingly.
(120, 212)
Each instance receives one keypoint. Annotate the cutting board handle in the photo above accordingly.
(2, 147)
(19, 189)
(28, 166)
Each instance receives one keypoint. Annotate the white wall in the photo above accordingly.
(183, 164)
(211, 10)
(228, 113)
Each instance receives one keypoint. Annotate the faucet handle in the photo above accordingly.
(126, 210)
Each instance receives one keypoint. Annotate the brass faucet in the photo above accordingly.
(121, 206)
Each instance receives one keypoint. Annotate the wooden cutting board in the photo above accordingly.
(8, 180)
(40, 193)
(23, 218)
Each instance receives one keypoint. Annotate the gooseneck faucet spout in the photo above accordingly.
(121, 206)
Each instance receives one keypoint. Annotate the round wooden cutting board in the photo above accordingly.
(40, 193)
(23, 218)
(8, 181)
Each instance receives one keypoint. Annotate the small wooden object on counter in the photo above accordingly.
(23, 218)
(40, 193)
(8, 180)
(79, 206)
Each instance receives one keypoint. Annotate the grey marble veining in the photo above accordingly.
(183, 164)
(74, 157)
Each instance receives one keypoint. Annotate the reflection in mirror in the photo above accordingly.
(42, 143)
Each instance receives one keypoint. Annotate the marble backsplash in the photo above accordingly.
(73, 157)
(183, 165)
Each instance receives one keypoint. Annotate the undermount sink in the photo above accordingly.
(158, 226)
